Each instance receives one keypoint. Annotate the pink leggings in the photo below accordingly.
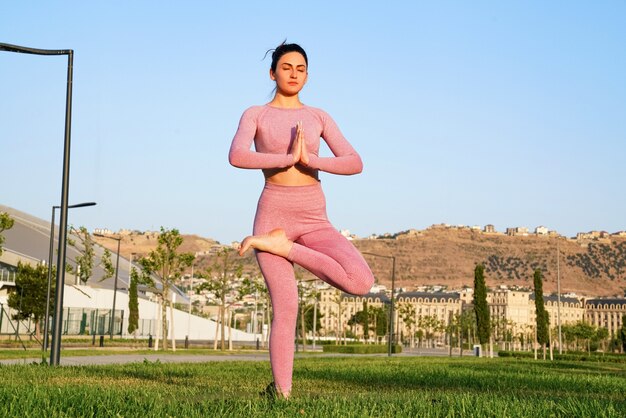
(318, 247)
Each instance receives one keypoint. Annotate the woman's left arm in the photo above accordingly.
(346, 160)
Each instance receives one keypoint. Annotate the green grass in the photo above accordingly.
(360, 386)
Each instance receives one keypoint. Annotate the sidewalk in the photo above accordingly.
(139, 358)
(178, 357)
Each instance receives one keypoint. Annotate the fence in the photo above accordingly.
(77, 321)
(10, 326)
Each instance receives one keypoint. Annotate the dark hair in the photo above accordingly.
(283, 49)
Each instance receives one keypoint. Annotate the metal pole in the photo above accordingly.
(130, 279)
(393, 291)
(56, 335)
(254, 320)
(558, 295)
(314, 321)
(189, 313)
(55, 354)
(47, 317)
(117, 264)
(50, 251)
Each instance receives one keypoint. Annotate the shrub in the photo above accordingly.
(575, 356)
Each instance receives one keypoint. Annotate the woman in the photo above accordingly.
(291, 225)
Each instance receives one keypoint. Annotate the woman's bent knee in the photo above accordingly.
(360, 284)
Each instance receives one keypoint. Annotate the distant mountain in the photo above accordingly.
(447, 256)
(141, 243)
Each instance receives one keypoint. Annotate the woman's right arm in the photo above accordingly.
(240, 154)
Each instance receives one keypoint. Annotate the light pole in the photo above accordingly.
(55, 353)
(393, 292)
(189, 313)
(117, 264)
(45, 325)
(558, 294)
(131, 270)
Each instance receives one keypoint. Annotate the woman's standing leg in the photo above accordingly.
(281, 283)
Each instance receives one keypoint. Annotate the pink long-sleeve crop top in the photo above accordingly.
(273, 131)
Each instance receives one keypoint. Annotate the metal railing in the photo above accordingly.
(77, 321)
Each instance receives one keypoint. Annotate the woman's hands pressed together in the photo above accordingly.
(299, 151)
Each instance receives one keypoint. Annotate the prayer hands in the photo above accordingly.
(300, 153)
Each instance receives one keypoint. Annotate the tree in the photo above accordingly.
(167, 265)
(601, 336)
(480, 305)
(220, 282)
(31, 291)
(133, 302)
(584, 332)
(338, 299)
(453, 328)
(363, 318)
(431, 325)
(85, 259)
(366, 324)
(359, 318)
(407, 312)
(308, 318)
(468, 325)
(306, 293)
(381, 320)
(542, 318)
(6, 222)
(622, 333)
(257, 287)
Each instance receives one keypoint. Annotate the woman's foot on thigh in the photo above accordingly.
(275, 242)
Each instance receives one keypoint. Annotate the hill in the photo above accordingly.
(141, 243)
(447, 256)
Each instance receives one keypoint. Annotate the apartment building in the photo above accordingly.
(607, 313)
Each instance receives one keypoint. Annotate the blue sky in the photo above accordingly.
(504, 113)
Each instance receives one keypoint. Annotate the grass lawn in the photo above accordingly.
(323, 387)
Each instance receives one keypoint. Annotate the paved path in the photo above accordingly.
(138, 358)
(69, 360)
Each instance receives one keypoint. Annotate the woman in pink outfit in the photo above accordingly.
(291, 225)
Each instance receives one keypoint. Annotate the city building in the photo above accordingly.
(517, 231)
(606, 313)
(489, 229)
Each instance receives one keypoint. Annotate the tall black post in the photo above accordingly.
(47, 317)
(55, 351)
(117, 265)
(393, 298)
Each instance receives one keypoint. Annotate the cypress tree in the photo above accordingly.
(622, 333)
(133, 303)
(542, 318)
(366, 325)
(480, 305)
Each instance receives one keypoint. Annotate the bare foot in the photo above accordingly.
(276, 242)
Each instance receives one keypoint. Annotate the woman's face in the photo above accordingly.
(290, 74)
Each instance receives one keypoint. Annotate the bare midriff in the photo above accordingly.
(297, 175)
